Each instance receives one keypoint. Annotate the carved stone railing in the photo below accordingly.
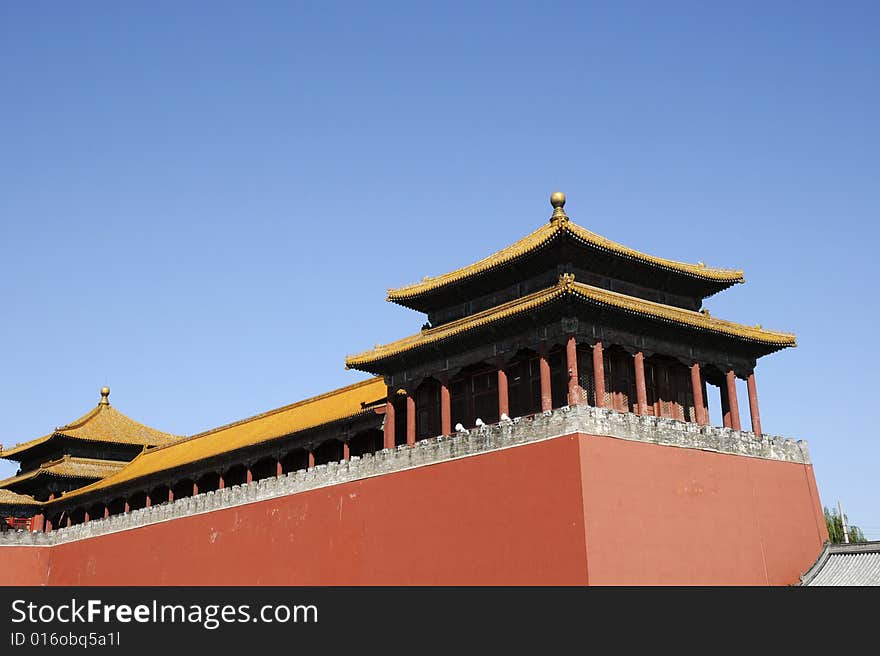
(545, 426)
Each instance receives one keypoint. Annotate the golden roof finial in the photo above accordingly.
(566, 280)
(557, 200)
(105, 396)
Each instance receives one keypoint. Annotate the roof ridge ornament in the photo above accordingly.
(557, 200)
(105, 396)
(566, 280)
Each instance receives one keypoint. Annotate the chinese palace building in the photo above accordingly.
(555, 401)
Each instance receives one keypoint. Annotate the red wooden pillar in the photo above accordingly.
(40, 521)
(221, 482)
(127, 507)
(697, 389)
(48, 526)
(544, 366)
(170, 494)
(753, 404)
(312, 456)
(732, 403)
(149, 501)
(70, 521)
(346, 451)
(195, 488)
(503, 393)
(389, 421)
(410, 419)
(279, 468)
(725, 405)
(248, 475)
(106, 511)
(599, 374)
(445, 408)
(571, 360)
(641, 387)
(86, 517)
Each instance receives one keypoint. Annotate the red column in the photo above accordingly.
(170, 494)
(599, 374)
(248, 475)
(389, 421)
(106, 511)
(279, 468)
(731, 400)
(503, 394)
(39, 523)
(195, 488)
(312, 458)
(48, 524)
(571, 360)
(70, 521)
(221, 482)
(697, 389)
(641, 387)
(445, 408)
(346, 451)
(149, 501)
(725, 405)
(127, 507)
(86, 516)
(753, 404)
(546, 393)
(410, 420)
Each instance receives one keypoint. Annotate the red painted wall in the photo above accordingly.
(24, 565)
(513, 516)
(536, 514)
(667, 515)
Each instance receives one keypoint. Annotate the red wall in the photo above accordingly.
(667, 515)
(24, 565)
(535, 514)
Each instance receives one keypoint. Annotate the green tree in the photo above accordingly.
(835, 528)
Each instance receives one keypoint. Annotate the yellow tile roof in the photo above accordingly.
(556, 228)
(8, 497)
(332, 406)
(568, 286)
(104, 423)
(69, 467)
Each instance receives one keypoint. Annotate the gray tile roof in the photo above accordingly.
(845, 564)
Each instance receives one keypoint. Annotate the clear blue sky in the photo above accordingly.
(202, 204)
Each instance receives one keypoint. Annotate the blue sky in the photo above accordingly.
(202, 204)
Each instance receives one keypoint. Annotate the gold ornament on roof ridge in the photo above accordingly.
(557, 200)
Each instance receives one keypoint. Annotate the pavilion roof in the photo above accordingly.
(337, 405)
(69, 467)
(558, 227)
(104, 423)
(10, 498)
(567, 287)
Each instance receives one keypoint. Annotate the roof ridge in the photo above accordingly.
(567, 285)
(598, 239)
(542, 235)
(553, 229)
(269, 413)
(82, 421)
(662, 306)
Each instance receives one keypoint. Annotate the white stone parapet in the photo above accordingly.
(506, 434)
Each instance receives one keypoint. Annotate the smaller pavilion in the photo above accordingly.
(96, 445)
